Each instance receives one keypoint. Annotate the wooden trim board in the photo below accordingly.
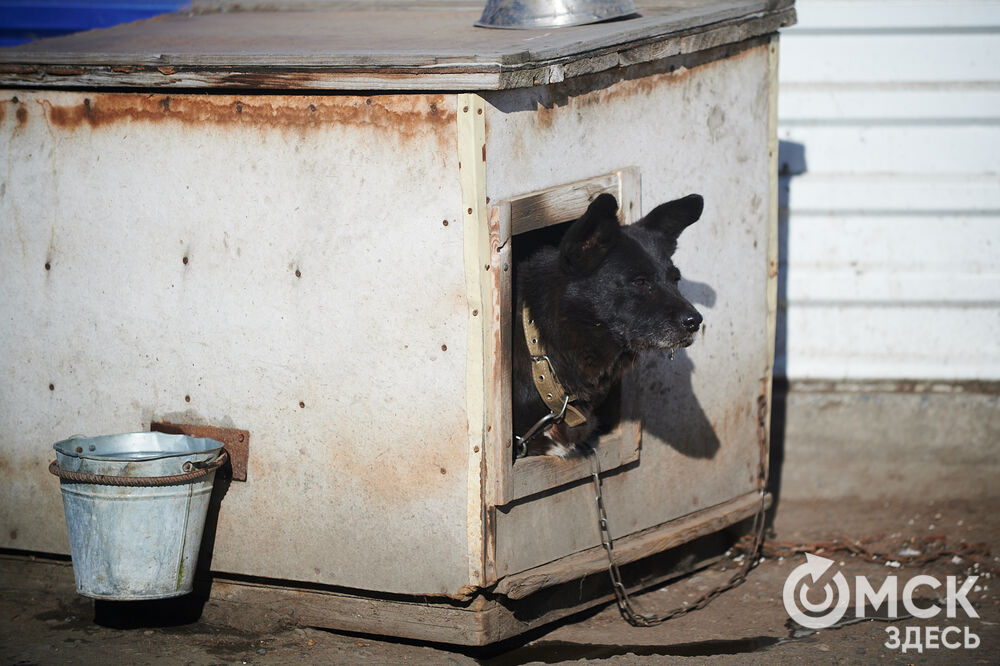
(509, 480)
(633, 547)
(488, 618)
(772, 233)
(479, 378)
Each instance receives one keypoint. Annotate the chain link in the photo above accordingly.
(625, 606)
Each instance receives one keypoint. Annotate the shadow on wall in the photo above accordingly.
(791, 163)
(678, 417)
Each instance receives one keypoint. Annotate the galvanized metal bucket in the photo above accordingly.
(135, 510)
(524, 14)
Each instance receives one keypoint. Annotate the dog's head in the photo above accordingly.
(623, 278)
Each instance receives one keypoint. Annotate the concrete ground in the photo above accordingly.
(43, 621)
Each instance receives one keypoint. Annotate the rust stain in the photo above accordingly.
(122, 70)
(408, 115)
(18, 69)
(166, 71)
(580, 93)
(64, 71)
(386, 479)
(22, 115)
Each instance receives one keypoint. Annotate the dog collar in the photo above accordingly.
(552, 393)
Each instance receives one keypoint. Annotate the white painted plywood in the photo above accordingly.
(321, 306)
(704, 130)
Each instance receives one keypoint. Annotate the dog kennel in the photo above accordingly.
(293, 231)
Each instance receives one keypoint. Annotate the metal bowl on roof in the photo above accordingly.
(551, 13)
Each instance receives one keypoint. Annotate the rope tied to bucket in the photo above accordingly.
(199, 470)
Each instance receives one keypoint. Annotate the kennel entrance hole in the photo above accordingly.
(524, 224)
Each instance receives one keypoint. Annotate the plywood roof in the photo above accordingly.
(433, 47)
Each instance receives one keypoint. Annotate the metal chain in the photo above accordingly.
(540, 427)
(625, 606)
(140, 481)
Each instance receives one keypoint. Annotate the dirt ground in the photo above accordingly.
(43, 621)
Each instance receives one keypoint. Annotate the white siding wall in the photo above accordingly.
(890, 128)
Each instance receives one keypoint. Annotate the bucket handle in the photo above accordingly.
(139, 481)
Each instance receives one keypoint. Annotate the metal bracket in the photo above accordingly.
(236, 442)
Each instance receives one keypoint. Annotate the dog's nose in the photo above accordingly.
(691, 321)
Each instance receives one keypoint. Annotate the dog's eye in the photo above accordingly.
(640, 282)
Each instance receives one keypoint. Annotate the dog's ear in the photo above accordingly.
(673, 217)
(588, 240)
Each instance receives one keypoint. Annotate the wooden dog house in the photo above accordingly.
(297, 227)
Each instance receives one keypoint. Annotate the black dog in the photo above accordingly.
(590, 303)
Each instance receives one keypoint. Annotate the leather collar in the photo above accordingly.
(550, 390)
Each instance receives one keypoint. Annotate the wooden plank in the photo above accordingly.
(242, 78)
(498, 439)
(417, 618)
(537, 474)
(631, 548)
(481, 621)
(773, 251)
(630, 195)
(345, 37)
(332, 48)
(651, 50)
(479, 386)
(567, 202)
(559, 204)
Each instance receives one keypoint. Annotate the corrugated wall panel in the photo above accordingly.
(890, 129)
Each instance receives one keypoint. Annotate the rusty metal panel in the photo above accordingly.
(236, 442)
(702, 127)
(287, 265)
